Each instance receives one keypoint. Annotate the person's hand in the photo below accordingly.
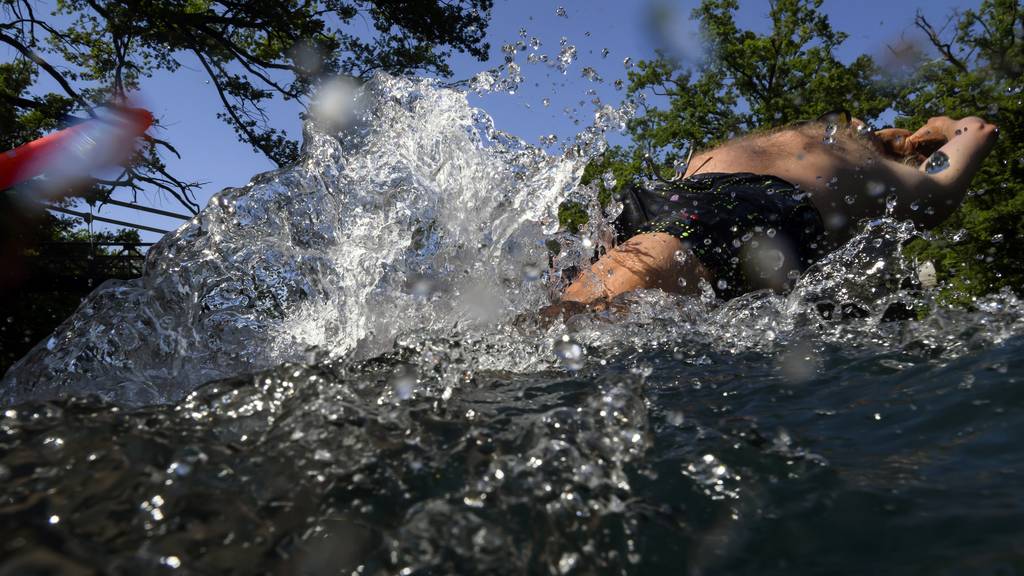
(930, 137)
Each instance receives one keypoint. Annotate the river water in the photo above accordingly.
(339, 369)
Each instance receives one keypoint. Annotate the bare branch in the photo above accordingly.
(944, 48)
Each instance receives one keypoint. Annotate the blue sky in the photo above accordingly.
(187, 105)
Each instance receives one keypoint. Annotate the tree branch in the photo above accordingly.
(32, 55)
(241, 125)
(946, 49)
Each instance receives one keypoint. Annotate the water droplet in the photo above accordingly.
(682, 282)
(590, 74)
(530, 272)
(722, 284)
(567, 562)
(565, 57)
(402, 383)
(54, 519)
(960, 236)
(422, 287)
(676, 418)
(560, 11)
(875, 188)
(830, 133)
(627, 62)
(850, 199)
(546, 102)
(997, 239)
(605, 52)
(915, 205)
(569, 353)
(608, 180)
(833, 183)
(179, 468)
(937, 162)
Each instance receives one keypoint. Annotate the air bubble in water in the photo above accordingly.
(936, 163)
(722, 284)
(569, 353)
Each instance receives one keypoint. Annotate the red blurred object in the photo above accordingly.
(91, 144)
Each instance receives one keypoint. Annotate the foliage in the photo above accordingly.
(978, 250)
(252, 51)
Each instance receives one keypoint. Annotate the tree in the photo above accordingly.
(980, 58)
(251, 50)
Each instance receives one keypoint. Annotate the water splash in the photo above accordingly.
(408, 211)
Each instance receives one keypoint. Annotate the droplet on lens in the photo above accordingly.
(570, 353)
(936, 163)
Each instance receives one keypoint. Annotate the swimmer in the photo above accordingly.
(756, 211)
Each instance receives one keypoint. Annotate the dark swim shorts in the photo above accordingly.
(750, 231)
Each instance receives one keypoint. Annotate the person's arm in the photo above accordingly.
(928, 197)
(652, 260)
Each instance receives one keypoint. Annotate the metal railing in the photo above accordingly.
(82, 265)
